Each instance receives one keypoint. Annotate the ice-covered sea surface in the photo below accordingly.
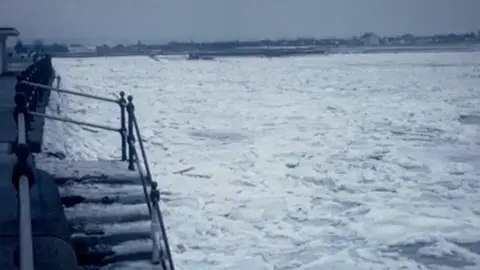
(332, 162)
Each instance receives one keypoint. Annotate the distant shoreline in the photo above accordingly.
(290, 51)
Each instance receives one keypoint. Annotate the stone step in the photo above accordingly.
(103, 214)
(105, 205)
(130, 251)
(76, 170)
(130, 265)
(104, 193)
(72, 200)
(111, 240)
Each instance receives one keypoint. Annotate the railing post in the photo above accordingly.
(59, 79)
(23, 90)
(161, 247)
(157, 250)
(22, 180)
(131, 137)
(123, 129)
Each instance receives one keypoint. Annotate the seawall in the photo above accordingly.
(50, 230)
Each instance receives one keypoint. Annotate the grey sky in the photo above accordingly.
(161, 20)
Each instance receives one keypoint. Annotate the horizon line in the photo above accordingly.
(154, 41)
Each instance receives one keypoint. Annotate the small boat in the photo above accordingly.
(194, 56)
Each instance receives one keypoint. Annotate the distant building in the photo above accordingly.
(78, 48)
(5, 32)
(370, 39)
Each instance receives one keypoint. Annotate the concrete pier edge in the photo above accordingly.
(50, 229)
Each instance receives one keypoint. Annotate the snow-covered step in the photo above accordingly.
(102, 179)
(88, 171)
(121, 228)
(72, 200)
(110, 235)
(102, 214)
(104, 193)
(106, 246)
(111, 240)
(101, 194)
(135, 265)
(100, 190)
(129, 251)
(105, 205)
(137, 250)
(103, 250)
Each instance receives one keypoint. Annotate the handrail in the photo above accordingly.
(81, 123)
(22, 179)
(161, 249)
(140, 142)
(75, 93)
(142, 180)
(121, 102)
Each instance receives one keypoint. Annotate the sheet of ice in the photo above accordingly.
(336, 162)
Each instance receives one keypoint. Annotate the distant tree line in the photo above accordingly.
(406, 39)
(354, 41)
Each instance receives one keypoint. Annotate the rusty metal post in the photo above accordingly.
(131, 132)
(123, 127)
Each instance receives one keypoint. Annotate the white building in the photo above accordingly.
(5, 32)
(370, 39)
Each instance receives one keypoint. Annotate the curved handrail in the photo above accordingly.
(142, 149)
(65, 91)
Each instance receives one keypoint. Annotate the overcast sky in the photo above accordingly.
(97, 21)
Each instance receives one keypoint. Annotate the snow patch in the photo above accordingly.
(87, 168)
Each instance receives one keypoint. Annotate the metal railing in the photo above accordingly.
(161, 248)
(130, 133)
(121, 102)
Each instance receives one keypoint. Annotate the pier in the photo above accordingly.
(35, 232)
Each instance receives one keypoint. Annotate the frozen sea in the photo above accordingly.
(329, 162)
